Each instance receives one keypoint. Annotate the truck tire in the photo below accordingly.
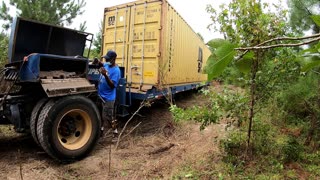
(68, 128)
(34, 118)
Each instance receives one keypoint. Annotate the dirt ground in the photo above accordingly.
(156, 149)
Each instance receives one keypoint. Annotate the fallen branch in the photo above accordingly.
(162, 149)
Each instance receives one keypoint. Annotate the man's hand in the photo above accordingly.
(95, 61)
(103, 71)
(25, 58)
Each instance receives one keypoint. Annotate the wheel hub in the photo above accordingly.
(74, 129)
(67, 127)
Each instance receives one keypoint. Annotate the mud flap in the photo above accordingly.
(62, 87)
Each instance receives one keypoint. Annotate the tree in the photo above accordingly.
(4, 15)
(58, 12)
(97, 42)
(244, 23)
(83, 26)
(4, 40)
(301, 13)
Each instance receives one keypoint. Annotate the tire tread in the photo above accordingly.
(41, 125)
(34, 118)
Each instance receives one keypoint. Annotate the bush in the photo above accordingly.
(292, 150)
(301, 105)
(263, 139)
(232, 75)
(235, 147)
(226, 104)
(297, 99)
(178, 113)
(204, 115)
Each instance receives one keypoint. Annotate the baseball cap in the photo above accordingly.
(110, 55)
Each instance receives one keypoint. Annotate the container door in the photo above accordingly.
(116, 32)
(144, 40)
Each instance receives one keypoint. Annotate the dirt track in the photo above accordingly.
(156, 149)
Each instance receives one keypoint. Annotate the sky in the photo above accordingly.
(193, 11)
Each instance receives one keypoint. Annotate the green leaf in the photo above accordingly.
(244, 64)
(220, 58)
(316, 19)
(309, 62)
(215, 43)
(188, 175)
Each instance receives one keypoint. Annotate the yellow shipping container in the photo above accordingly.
(154, 44)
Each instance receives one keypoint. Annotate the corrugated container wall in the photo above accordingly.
(154, 44)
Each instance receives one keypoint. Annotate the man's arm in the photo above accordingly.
(109, 81)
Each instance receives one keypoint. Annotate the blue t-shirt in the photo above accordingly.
(104, 90)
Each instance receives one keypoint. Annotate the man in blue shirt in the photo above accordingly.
(109, 79)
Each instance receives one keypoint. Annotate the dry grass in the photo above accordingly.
(135, 157)
(133, 160)
(7, 131)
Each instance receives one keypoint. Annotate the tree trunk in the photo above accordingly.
(252, 101)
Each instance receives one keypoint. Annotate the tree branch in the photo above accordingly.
(241, 55)
(280, 45)
(135, 127)
(291, 38)
(274, 39)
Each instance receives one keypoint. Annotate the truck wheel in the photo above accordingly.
(69, 128)
(34, 118)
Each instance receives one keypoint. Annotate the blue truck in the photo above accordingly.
(45, 89)
(49, 89)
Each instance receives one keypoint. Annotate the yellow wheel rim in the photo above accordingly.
(74, 129)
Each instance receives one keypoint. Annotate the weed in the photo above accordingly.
(226, 104)
(124, 173)
(292, 150)
(187, 172)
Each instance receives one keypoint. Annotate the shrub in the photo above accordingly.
(235, 147)
(292, 150)
(296, 100)
(226, 104)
